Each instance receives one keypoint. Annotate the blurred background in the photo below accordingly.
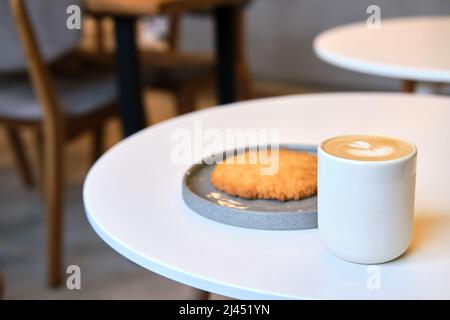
(280, 36)
(277, 59)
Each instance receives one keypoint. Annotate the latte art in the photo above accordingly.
(367, 148)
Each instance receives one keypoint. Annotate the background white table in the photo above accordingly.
(133, 200)
(416, 49)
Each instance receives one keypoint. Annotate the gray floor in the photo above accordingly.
(104, 273)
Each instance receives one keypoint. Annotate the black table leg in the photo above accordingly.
(225, 32)
(129, 82)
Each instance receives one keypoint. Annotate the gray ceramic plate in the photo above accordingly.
(202, 197)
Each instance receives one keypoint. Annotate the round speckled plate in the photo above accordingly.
(202, 197)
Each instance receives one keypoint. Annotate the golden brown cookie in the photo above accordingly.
(295, 179)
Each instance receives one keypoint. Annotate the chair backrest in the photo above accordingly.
(38, 70)
(48, 20)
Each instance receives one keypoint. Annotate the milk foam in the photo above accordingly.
(367, 148)
(362, 148)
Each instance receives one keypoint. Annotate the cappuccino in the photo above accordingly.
(367, 148)
(366, 204)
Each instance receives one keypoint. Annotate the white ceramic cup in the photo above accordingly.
(366, 208)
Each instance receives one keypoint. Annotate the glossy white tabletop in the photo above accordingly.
(133, 201)
(415, 48)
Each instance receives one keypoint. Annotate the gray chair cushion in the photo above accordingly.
(48, 18)
(80, 94)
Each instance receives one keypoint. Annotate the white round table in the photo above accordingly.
(133, 200)
(416, 49)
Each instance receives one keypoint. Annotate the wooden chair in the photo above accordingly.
(244, 88)
(58, 105)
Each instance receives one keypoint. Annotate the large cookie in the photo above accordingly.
(295, 179)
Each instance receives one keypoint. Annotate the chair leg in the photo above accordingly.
(174, 31)
(2, 286)
(408, 86)
(20, 157)
(53, 179)
(97, 143)
(99, 34)
(184, 96)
